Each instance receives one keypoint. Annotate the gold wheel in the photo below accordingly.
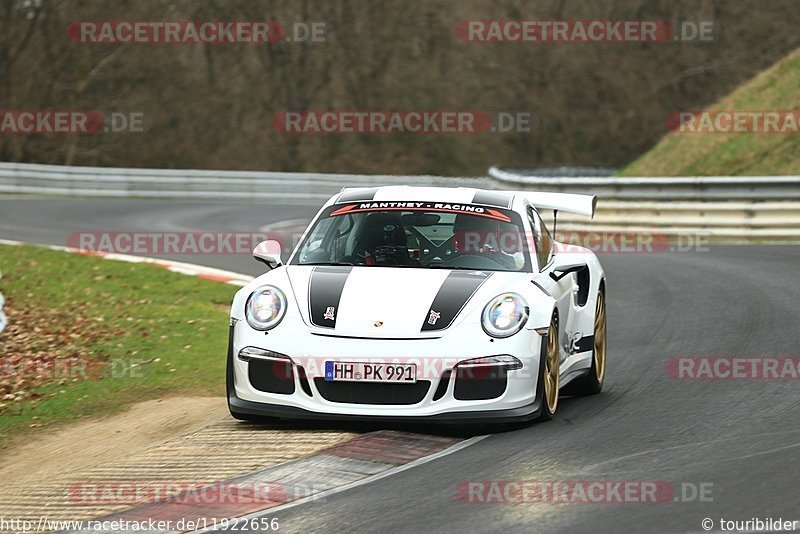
(600, 337)
(551, 366)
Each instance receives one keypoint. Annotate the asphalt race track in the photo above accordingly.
(52, 220)
(741, 436)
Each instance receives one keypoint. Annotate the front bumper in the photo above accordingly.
(525, 413)
(308, 399)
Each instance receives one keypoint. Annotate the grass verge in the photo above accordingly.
(89, 337)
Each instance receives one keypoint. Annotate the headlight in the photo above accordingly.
(505, 315)
(265, 308)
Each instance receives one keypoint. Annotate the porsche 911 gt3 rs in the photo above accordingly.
(425, 303)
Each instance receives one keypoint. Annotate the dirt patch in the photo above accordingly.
(106, 440)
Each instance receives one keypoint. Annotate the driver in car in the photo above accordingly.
(479, 236)
(382, 240)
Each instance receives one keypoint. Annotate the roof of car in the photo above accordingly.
(460, 195)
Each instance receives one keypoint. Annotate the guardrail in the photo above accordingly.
(167, 183)
(730, 208)
(703, 188)
(107, 181)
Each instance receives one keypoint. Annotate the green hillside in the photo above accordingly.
(682, 154)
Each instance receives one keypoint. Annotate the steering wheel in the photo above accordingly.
(386, 255)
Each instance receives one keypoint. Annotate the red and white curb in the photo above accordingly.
(190, 269)
(359, 461)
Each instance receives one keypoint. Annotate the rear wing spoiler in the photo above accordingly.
(570, 202)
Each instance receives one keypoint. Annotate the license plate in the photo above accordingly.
(405, 373)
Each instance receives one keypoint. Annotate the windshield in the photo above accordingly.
(416, 234)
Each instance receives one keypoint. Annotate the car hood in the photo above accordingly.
(386, 302)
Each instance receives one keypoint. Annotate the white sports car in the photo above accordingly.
(421, 303)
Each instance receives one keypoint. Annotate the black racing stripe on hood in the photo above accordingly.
(492, 198)
(358, 195)
(324, 292)
(456, 290)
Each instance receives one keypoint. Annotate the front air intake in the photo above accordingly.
(372, 392)
(271, 376)
(480, 383)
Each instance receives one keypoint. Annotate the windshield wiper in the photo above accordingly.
(451, 267)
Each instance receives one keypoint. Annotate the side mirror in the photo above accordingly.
(269, 253)
(566, 264)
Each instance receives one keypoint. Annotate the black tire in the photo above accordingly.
(591, 383)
